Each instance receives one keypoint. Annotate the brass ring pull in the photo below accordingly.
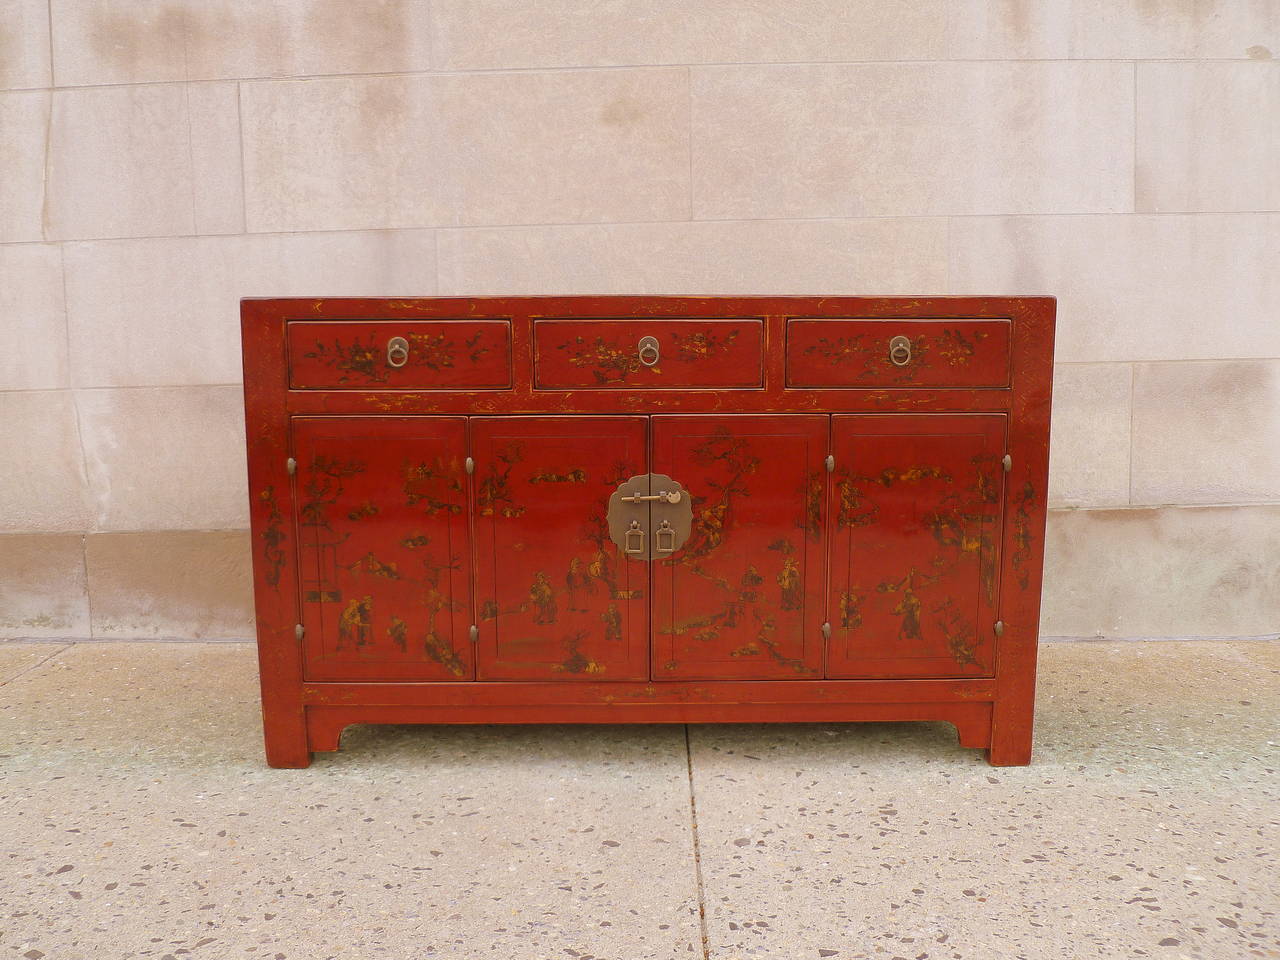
(648, 350)
(397, 352)
(900, 351)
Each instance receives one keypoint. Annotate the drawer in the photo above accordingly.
(611, 354)
(400, 355)
(897, 353)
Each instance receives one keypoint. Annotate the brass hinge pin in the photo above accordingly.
(291, 466)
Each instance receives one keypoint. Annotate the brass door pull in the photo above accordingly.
(664, 538)
(633, 539)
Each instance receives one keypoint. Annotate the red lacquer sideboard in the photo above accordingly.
(647, 509)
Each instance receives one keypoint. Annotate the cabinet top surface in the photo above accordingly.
(1013, 307)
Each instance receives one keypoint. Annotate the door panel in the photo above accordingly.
(557, 600)
(915, 534)
(743, 597)
(384, 548)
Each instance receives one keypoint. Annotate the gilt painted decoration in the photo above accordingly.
(385, 552)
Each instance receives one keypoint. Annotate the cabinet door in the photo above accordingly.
(742, 598)
(384, 550)
(915, 534)
(557, 600)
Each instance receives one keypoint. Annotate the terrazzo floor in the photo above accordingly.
(138, 819)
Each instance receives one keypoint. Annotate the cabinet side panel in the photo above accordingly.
(275, 558)
(1027, 504)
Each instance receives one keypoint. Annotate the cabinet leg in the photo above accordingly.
(286, 741)
(1010, 746)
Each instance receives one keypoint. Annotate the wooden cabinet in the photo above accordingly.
(625, 509)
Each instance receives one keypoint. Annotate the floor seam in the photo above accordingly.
(697, 851)
(34, 666)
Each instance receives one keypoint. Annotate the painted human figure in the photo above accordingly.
(908, 607)
(612, 624)
(544, 598)
(789, 581)
(355, 622)
(599, 569)
(399, 634)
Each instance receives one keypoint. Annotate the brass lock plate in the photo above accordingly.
(650, 516)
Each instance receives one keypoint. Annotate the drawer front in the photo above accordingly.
(897, 353)
(609, 354)
(400, 355)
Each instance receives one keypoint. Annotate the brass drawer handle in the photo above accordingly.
(900, 351)
(648, 350)
(397, 352)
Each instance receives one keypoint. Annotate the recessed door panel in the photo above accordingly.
(742, 598)
(915, 531)
(384, 549)
(556, 598)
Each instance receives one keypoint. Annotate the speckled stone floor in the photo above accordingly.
(137, 819)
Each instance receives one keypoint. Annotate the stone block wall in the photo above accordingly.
(160, 159)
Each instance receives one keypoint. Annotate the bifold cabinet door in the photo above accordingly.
(915, 534)
(557, 601)
(742, 598)
(383, 548)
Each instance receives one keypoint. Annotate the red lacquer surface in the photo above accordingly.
(548, 649)
(383, 548)
(743, 597)
(603, 354)
(557, 601)
(915, 537)
(856, 353)
(439, 355)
